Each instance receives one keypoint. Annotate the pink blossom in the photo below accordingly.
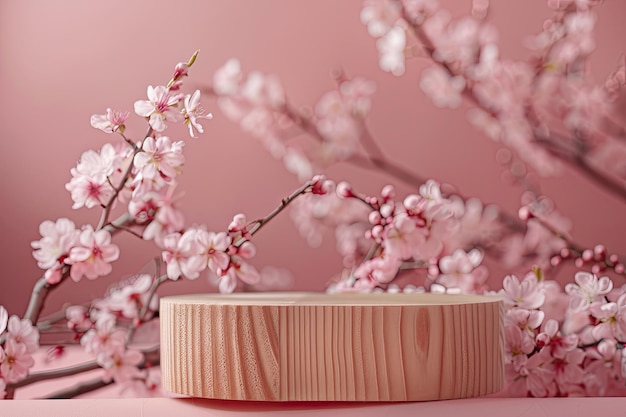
(192, 112)
(403, 238)
(356, 94)
(90, 185)
(93, 254)
(104, 338)
(517, 341)
(57, 238)
(391, 49)
(17, 361)
(263, 90)
(381, 270)
(530, 376)
(179, 249)
(558, 344)
(568, 371)
(227, 79)
(22, 331)
(526, 320)
(98, 166)
(111, 121)
(379, 16)
(131, 298)
(457, 41)
(212, 249)
(611, 317)
(159, 108)
(160, 160)
(525, 294)
(443, 89)
(88, 193)
(157, 209)
(120, 365)
(588, 288)
(78, 318)
(461, 270)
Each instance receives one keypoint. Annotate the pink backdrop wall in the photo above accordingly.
(63, 60)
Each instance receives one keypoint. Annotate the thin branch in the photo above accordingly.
(56, 373)
(283, 204)
(104, 218)
(79, 389)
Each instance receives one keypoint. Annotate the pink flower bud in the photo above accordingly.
(587, 255)
(180, 70)
(344, 190)
(388, 192)
(374, 217)
(619, 268)
(524, 213)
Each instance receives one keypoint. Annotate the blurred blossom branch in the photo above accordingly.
(559, 341)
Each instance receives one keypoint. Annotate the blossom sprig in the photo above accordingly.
(546, 110)
(564, 344)
(19, 339)
(414, 234)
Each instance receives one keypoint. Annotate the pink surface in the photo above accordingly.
(63, 61)
(167, 407)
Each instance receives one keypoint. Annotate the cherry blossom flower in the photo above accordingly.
(17, 361)
(530, 376)
(131, 298)
(443, 89)
(588, 288)
(517, 342)
(22, 331)
(391, 48)
(212, 248)
(525, 294)
(159, 161)
(461, 270)
(558, 345)
(78, 318)
(159, 108)
(611, 317)
(178, 250)
(379, 16)
(57, 238)
(111, 121)
(192, 112)
(226, 80)
(104, 337)
(380, 270)
(93, 254)
(120, 365)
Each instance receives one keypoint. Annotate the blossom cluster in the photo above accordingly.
(565, 344)
(19, 339)
(559, 341)
(546, 110)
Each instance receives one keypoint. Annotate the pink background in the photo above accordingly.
(65, 60)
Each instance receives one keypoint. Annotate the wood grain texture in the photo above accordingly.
(320, 347)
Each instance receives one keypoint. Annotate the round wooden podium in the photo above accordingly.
(332, 347)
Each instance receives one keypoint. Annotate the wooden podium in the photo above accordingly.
(332, 347)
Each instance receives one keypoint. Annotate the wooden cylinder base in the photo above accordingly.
(332, 347)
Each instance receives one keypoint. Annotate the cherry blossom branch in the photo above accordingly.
(258, 224)
(42, 287)
(104, 218)
(574, 158)
(56, 373)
